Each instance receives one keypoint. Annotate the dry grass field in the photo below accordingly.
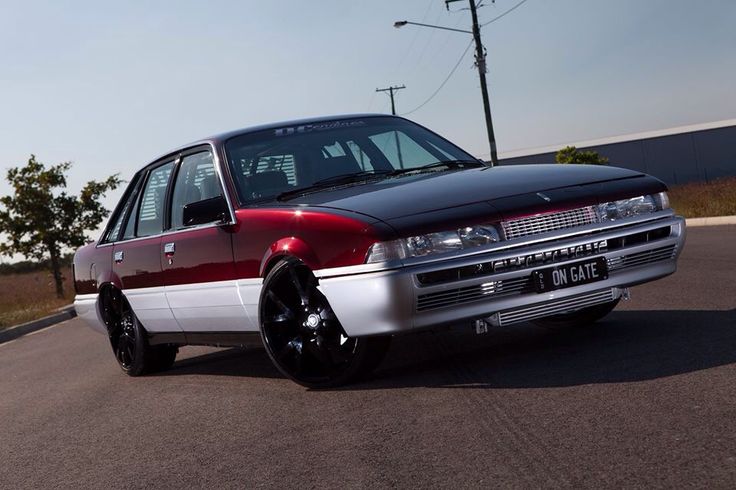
(698, 200)
(25, 297)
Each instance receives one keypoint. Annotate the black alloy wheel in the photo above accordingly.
(126, 339)
(304, 338)
(129, 342)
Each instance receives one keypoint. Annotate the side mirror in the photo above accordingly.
(206, 211)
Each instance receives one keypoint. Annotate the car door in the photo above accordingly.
(199, 272)
(137, 256)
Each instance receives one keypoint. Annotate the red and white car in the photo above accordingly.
(325, 237)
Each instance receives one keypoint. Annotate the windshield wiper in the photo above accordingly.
(367, 175)
(449, 164)
(351, 177)
(334, 181)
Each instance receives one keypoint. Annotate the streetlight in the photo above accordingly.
(480, 62)
(402, 23)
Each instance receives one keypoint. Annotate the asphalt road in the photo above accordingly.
(645, 398)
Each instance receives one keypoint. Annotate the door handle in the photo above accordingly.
(169, 249)
(118, 256)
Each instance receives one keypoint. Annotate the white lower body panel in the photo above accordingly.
(86, 308)
(223, 306)
(209, 307)
(152, 309)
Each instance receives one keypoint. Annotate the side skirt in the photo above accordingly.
(213, 339)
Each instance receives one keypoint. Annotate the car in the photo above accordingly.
(322, 238)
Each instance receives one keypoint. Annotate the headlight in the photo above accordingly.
(625, 208)
(433, 243)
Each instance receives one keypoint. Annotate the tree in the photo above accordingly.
(570, 154)
(41, 219)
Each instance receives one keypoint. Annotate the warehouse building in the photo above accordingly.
(697, 153)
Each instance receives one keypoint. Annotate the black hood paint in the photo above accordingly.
(436, 201)
(404, 196)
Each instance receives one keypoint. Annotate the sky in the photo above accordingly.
(111, 85)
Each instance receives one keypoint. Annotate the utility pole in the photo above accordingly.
(480, 62)
(390, 91)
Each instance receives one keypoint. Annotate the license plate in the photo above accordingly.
(569, 275)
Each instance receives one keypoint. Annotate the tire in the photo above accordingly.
(164, 357)
(304, 338)
(579, 318)
(130, 346)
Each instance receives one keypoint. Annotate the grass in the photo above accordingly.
(28, 296)
(700, 199)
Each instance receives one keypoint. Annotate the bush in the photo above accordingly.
(570, 154)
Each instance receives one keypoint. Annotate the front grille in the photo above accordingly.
(543, 223)
(554, 307)
(641, 258)
(488, 290)
(524, 285)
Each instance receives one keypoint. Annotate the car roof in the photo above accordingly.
(294, 122)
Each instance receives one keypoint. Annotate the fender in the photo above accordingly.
(288, 246)
(106, 277)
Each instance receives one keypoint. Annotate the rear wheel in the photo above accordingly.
(579, 318)
(304, 338)
(130, 344)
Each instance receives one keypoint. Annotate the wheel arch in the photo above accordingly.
(285, 248)
(108, 293)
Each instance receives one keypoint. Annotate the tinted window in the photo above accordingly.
(401, 150)
(151, 208)
(113, 232)
(269, 162)
(360, 156)
(196, 180)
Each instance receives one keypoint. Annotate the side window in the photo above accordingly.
(113, 233)
(150, 217)
(195, 181)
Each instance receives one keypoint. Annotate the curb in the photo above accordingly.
(711, 221)
(12, 333)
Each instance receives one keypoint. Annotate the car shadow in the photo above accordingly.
(250, 362)
(626, 346)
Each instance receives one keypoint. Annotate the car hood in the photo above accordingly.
(429, 202)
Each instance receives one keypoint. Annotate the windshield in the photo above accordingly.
(268, 163)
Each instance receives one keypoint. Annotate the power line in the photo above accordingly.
(402, 63)
(452, 72)
(507, 12)
(480, 63)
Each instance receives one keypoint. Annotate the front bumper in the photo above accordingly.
(399, 300)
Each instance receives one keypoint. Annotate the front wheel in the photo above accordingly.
(304, 338)
(579, 318)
